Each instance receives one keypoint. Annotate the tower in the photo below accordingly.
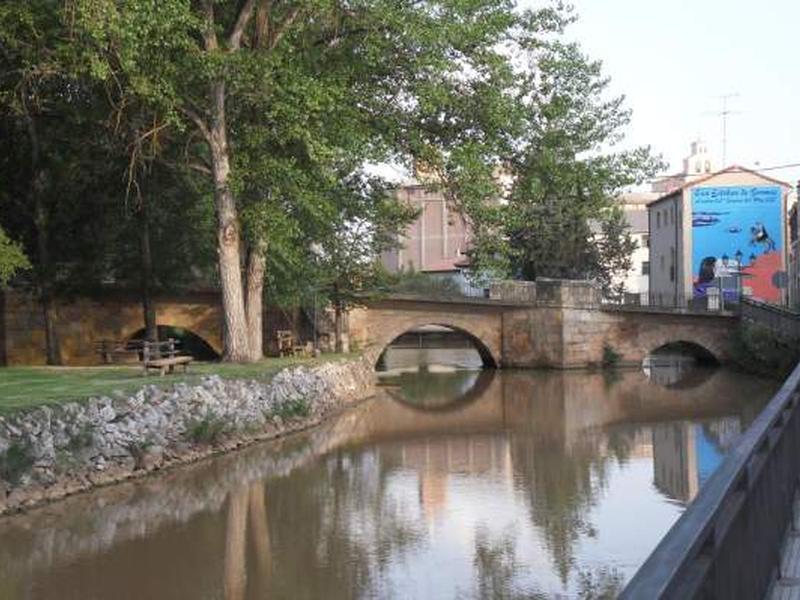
(699, 162)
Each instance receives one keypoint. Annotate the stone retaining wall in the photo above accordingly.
(50, 452)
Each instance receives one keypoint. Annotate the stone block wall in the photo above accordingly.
(50, 452)
(83, 321)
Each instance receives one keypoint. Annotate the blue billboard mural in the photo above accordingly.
(737, 236)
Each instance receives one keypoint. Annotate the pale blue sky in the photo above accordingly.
(673, 58)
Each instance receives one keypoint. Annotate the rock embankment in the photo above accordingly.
(51, 452)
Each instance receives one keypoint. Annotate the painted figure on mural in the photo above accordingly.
(705, 275)
(761, 238)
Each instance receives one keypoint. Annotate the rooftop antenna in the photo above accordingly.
(724, 113)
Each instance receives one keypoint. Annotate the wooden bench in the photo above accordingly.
(167, 365)
(164, 357)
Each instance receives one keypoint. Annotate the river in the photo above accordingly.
(451, 483)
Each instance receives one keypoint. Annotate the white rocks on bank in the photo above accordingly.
(51, 451)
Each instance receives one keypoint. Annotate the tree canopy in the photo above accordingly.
(234, 138)
(561, 217)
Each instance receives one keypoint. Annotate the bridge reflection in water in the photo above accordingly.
(541, 483)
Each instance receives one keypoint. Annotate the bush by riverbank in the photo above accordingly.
(759, 350)
(52, 451)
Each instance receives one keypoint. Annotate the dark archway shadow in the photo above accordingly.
(680, 365)
(188, 342)
(487, 359)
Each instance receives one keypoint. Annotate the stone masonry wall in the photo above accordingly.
(50, 452)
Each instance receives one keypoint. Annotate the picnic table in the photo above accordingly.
(160, 356)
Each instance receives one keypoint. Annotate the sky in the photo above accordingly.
(673, 59)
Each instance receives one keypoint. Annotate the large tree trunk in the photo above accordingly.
(235, 336)
(148, 308)
(41, 221)
(49, 313)
(338, 312)
(254, 301)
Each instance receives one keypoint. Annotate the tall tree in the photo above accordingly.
(347, 256)
(275, 88)
(561, 218)
(32, 88)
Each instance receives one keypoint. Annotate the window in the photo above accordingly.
(661, 263)
(645, 241)
(658, 219)
(646, 267)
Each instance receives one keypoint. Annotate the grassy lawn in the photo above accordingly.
(26, 387)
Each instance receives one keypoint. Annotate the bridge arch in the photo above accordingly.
(191, 342)
(488, 349)
(700, 352)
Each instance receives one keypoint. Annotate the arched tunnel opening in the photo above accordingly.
(680, 364)
(188, 342)
(435, 367)
(435, 347)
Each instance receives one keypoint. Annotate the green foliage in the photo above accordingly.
(561, 219)
(12, 258)
(757, 349)
(209, 430)
(83, 438)
(423, 284)
(293, 409)
(610, 356)
(15, 462)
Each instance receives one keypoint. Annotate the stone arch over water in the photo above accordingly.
(490, 356)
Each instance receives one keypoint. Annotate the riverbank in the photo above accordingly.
(54, 451)
(30, 387)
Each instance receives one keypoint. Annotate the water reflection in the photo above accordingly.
(538, 486)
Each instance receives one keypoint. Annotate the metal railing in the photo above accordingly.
(782, 321)
(513, 292)
(673, 302)
(728, 542)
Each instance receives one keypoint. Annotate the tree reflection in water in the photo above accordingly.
(525, 490)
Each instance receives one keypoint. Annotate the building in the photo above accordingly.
(436, 242)
(793, 235)
(699, 163)
(637, 279)
(717, 237)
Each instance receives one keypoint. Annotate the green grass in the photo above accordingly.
(27, 387)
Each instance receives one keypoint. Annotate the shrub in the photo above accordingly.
(289, 409)
(15, 462)
(757, 349)
(208, 430)
(610, 356)
(423, 284)
(82, 439)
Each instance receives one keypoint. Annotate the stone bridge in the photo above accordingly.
(564, 326)
(558, 324)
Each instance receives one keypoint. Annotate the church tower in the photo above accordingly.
(699, 162)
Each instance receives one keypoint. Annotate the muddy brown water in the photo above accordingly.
(450, 483)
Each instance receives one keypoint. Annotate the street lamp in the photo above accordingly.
(725, 261)
(738, 257)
